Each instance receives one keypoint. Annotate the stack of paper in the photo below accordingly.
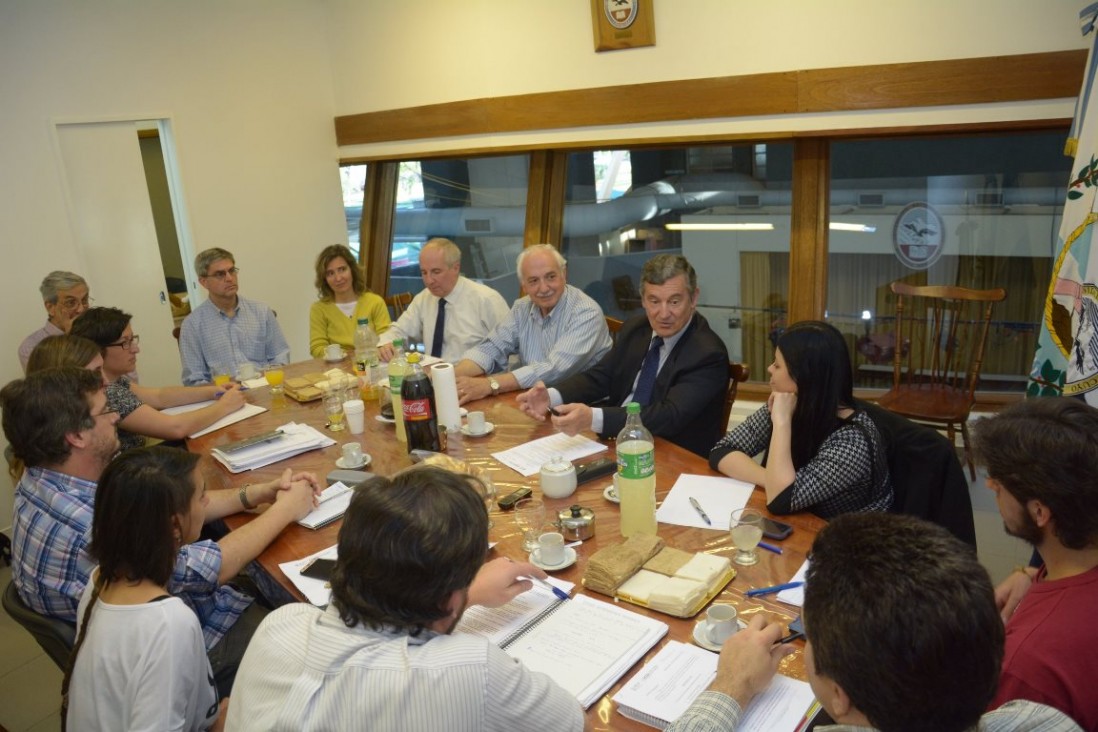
(296, 439)
(317, 591)
(334, 501)
(528, 457)
(248, 410)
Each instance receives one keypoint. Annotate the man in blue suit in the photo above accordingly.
(668, 360)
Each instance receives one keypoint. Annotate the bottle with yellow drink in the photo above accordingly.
(398, 367)
(636, 475)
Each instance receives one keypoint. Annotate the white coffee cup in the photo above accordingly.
(245, 371)
(720, 623)
(352, 454)
(477, 425)
(333, 352)
(550, 549)
(355, 410)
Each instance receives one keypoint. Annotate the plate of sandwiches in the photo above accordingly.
(644, 572)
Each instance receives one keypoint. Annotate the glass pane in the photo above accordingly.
(352, 179)
(725, 208)
(478, 203)
(978, 211)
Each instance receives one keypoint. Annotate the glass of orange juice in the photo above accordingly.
(220, 374)
(274, 375)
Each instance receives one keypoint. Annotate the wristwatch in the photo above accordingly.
(495, 386)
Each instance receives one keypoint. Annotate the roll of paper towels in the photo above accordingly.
(446, 395)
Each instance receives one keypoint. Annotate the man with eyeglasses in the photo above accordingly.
(59, 424)
(65, 295)
(227, 330)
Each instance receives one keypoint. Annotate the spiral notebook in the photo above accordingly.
(584, 645)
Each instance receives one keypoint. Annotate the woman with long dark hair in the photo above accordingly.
(822, 454)
(140, 661)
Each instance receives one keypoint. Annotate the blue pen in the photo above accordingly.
(770, 547)
(561, 594)
(770, 590)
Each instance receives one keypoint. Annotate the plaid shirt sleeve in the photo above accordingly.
(195, 582)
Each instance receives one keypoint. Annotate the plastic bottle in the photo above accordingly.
(420, 414)
(397, 368)
(636, 475)
(366, 359)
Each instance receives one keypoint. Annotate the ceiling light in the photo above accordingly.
(720, 227)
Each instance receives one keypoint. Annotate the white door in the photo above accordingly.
(111, 220)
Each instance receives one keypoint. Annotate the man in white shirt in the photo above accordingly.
(383, 655)
(452, 314)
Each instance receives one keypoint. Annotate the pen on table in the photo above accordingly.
(770, 590)
(556, 590)
(770, 547)
(698, 508)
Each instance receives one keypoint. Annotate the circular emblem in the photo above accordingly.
(918, 235)
(620, 13)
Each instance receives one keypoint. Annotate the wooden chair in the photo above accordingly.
(737, 372)
(398, 303)
(613, 325)
(943, 331)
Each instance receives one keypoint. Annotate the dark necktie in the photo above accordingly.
(647, 380)
(440, 326)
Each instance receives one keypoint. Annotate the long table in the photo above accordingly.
(512, 427)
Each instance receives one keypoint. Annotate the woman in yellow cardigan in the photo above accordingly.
(344, 298)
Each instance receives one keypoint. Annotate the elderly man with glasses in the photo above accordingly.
(227, 330)
(65, 295)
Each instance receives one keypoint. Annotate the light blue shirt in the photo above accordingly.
(210, 336)
(551, 347)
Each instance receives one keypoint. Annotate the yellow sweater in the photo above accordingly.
(328, 324)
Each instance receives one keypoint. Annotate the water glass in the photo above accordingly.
(530, 518)
(745, 526)
(333, 409)
(275, 376)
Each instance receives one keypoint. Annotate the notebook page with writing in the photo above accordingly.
(586, 645)
(500, 624)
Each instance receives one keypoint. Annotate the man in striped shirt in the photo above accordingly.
(383, 656)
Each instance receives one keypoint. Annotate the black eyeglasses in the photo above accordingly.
(106, 411)
(127, 344)
(222, 274)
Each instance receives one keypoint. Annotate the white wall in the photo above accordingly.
(439, 51)
(248, 87)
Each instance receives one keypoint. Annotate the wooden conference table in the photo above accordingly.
(512, 427)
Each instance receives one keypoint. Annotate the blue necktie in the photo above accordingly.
(647, 380)
(440, 325)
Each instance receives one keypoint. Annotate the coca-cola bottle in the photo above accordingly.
(420, 416)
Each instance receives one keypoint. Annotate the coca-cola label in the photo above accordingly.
(416, 410)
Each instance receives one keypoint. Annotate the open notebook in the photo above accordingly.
(584, 645)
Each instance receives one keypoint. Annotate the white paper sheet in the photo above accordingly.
(718, 497)
(296, 439)
(795, 596)
(318, 592)
(248, 410)
(334, 501)
(528, 458)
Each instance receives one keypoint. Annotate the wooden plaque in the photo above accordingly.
(622, 24)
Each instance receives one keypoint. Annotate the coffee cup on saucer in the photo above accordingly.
(720, 623)
(352, 454)
(333, 352)
(477, 425)
(550, 551)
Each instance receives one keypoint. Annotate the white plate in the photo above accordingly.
(610, 494)
(489, 428)
(569, 560)
(379, 418)
(365, 461)
(701, 640)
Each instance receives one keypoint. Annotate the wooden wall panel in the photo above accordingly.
(808, 230)
(376, 232)
(884, 86)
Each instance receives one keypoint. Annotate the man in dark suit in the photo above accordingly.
(669, 361)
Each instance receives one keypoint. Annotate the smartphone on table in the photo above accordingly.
(775, 529)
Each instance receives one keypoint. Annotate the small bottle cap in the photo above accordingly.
(413, 357)
(633, 408)
(363, 321)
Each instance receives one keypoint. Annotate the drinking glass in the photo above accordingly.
(333, 408)
(275, 375)
(220, 374)
(530, 518)
(745, 526)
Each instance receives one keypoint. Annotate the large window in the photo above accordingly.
(726, 208)
(352, 179)
(478, 203)
(970, 211)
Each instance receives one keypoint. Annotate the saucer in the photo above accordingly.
(333, 360)
(610, 494)
(379, 418)
(569, 560)
(701, 640)
(489, 428)
(365, 461)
